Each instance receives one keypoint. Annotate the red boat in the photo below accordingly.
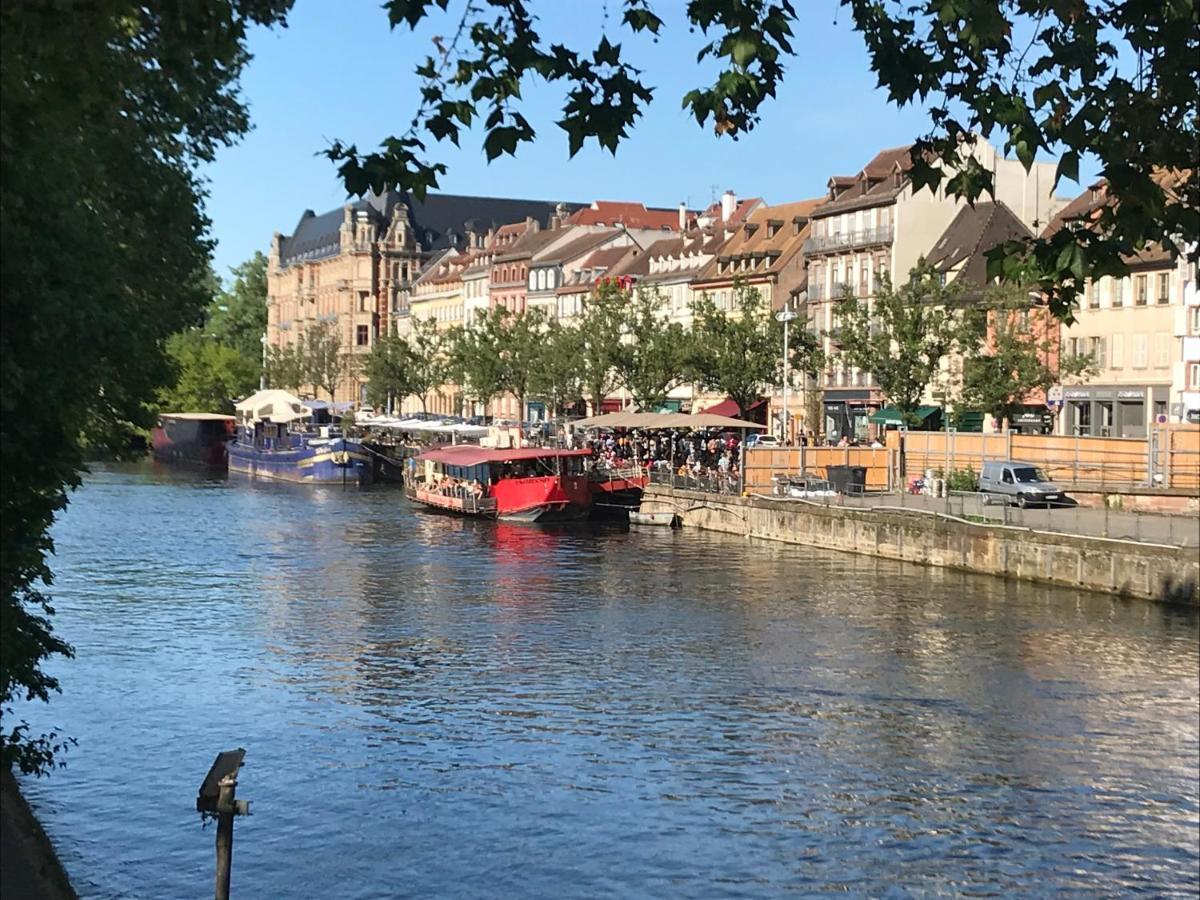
(527, 484)
(198, 438)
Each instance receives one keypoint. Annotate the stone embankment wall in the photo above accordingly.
(1125, 568)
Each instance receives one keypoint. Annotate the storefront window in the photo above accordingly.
(1081, 417)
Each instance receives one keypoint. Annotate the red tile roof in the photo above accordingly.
(631, 215)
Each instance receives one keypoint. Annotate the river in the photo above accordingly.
(434, 707)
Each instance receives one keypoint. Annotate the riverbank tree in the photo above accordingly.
(902, 336)
(102, 127)
(601, 325)
(654, 354)
(389, 369)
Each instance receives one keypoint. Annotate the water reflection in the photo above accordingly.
(437, 706)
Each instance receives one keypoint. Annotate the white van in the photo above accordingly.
(1020, 483)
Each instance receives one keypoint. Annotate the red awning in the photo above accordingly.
(474, 455)
(729, 407)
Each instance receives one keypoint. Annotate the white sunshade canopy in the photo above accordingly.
(273, 405)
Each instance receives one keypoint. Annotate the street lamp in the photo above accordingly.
(785, 315)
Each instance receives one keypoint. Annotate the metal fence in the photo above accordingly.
(729, 483)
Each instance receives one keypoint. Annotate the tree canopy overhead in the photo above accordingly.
(106, 109)
(1080, 79)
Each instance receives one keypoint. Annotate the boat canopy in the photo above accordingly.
(473, 455)
(664, 420)
(273, 405)
(196, 417)
(428, 426)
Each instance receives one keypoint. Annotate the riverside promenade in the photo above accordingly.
(1127, 568)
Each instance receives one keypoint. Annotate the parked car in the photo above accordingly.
(1020, 483)
(761, 440)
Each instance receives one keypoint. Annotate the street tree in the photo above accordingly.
(474, 359)
(107, 116)
(285, 366)
(1011, 349)
(521, 337)
(655, 352)
(430, 361)
(739, 351)
(556, 375)
(901, 337)
(323, 363)
(601, 326)
(389, 372)
(1114, 81)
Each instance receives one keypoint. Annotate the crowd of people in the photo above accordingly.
(695, 454)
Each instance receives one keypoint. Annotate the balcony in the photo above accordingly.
(848, 240)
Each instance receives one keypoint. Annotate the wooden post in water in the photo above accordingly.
(225, 812)
(217, 798)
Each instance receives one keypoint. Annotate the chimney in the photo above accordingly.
(728, 206)
(682, 217)
(532, 224)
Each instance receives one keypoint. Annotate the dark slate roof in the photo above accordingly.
(973, 232)
(438, 222)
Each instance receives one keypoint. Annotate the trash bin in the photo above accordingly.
(847, 479)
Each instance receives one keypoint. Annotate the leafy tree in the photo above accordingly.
(388, 369)
(105, 117)
(475, 360)
(238, 316)
(285, 366)
(901, 337)
(555, 376)
(656, 352)
(211, 375)
(1112, 80)
(521, 346)
(1011, 350)
(737, 352)
(601, 327)
(430, 362)
(323, 363)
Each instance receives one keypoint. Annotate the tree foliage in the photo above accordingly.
(238, 316)
(1011, 350)
(476, 362)
(600, 329)
(104, 116)
(556, 377)
(323, 362)
(389, 371)
(655, 354)
(285, 366)
(211, 375)
(1110, 80)
(738, 351)
(431, 358)
(903, 335)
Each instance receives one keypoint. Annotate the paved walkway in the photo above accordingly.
(1156, 528)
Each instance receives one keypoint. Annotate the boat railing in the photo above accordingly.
(456, 498)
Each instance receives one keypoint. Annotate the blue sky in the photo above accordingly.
(337, 71)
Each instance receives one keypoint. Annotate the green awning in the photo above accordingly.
(889, 415)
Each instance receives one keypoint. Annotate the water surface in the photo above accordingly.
(439, 707)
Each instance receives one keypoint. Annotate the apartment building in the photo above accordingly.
(355, 266)
(876, 224)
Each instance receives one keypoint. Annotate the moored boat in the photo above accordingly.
(196, 438)
(527, 484)
(280, 438)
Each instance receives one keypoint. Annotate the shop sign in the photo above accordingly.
(1077, 393)
(1138, 394)
(1054, 397)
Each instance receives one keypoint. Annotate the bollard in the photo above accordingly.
(217, 798)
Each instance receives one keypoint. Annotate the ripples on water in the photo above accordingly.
(438, 707)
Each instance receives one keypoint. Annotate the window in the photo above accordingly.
(1195, 329)
(1194, 376)
(1092, 295)
(1115, 288)
(1139, 290)
(362, 336)
(1164, 287)
(1097, 349)
(1162, 351)
(1139, 351)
